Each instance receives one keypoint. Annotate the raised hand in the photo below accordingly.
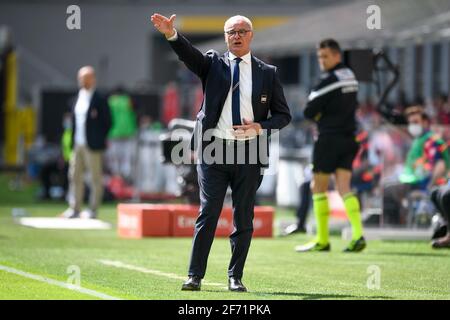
(164, 24)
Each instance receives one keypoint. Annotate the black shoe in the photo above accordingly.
(235, 284)
(439, 232)
(441, 243)
(356, 245)
(293, 229)
(192, 284)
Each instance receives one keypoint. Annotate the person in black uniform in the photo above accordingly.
(332, 105)
(239, 93)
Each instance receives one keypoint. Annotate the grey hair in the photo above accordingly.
(86, 69)
(245, 19)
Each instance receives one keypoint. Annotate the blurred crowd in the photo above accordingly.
(385, 156)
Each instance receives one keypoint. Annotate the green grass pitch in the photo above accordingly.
(408, 270)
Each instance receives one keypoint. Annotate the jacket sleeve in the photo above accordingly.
(196, 61)
(279, 110)
(320, 97)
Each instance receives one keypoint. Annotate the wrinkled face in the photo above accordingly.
(328, 58)
(239, 41)
(86, 78)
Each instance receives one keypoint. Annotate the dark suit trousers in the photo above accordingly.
(214, 179)
(305, 203)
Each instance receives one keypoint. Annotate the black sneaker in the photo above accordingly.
(356, 245)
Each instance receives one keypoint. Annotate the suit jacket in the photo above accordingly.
(98, 122)
(270, 109)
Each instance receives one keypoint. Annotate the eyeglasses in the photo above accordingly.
(241, 32)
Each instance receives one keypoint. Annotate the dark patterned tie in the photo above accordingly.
(235, 97)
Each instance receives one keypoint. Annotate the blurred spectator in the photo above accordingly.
(366, 115)
(304, 207)
(366, 173)
(91, 122)
(426, 165)
(49, 162)
(44, 158)
(382, 150)
(171, 103)
(54, 174)
(147, 123)
(442, 109)
(52, 162)
(121, 136)
(429, 108)
(149, 172)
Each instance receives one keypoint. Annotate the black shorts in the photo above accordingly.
(333, 152)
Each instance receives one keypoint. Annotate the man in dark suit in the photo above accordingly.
(91, 121)
(239, 92)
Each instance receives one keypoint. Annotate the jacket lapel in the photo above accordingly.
(94, 96)
(257, 82)
(225, 87)
(226, 71)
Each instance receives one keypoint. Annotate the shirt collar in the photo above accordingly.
(87, 92)
(246, 58)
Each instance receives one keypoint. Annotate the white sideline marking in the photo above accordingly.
(63, 223)
(58, 283)
(119, 264)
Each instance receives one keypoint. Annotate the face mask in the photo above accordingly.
(415, 129)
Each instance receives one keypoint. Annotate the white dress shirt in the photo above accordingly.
(224, 128)
(81, 111)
